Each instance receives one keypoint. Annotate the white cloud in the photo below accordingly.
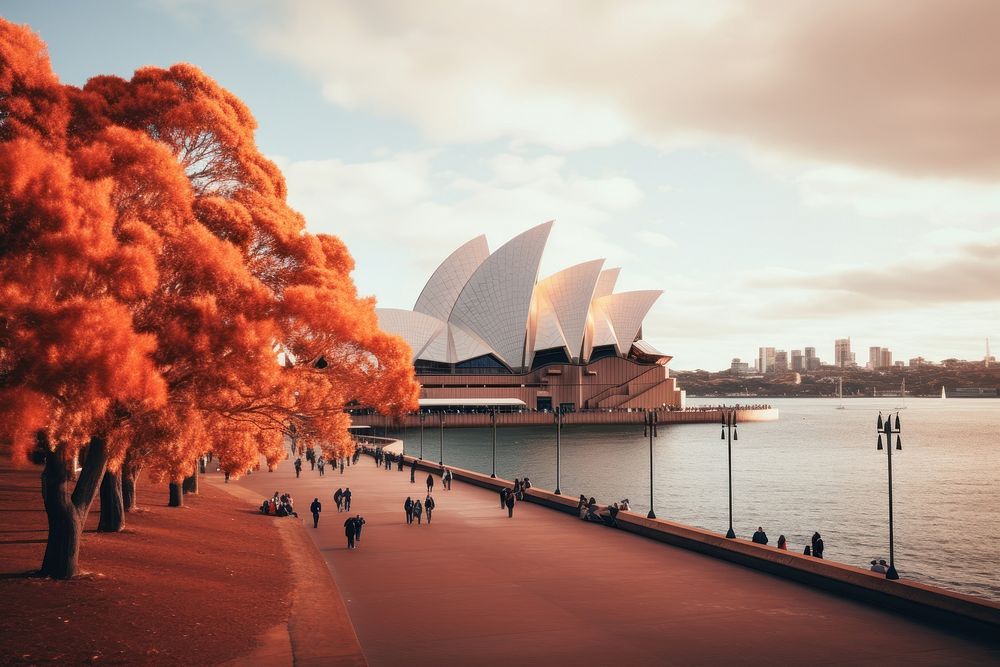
(402, 216)
(905, 87)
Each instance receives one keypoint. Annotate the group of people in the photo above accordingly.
(588, 510)
(278, 505)
(352, 529)
(880, 566)
(342, 498)
(415, 509)
(507, 499)
(815, 549)
(386, 459)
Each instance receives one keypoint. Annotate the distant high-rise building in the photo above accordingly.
(780, 361)
(812, 361)
(765, 360)
(798, 361)
(842, 355)
(738, 367)
(918, 361)
(879, 357)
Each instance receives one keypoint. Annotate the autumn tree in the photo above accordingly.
(153, 275)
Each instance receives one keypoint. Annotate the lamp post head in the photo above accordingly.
(723, 418)
(879, 425)
(880, 442)
(899, 443)
(897, 421)
(723, 435)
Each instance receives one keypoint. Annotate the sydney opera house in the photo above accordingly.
(485, 327)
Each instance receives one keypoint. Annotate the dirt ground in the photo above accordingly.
(195, 585)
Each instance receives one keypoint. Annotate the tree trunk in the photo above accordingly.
(66, 511)
(176, 495)
(112, 503)
(190, 484)
(130, 475)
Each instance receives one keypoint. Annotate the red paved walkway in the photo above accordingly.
(475, 587)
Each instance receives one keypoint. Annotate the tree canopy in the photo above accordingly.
(159, 299)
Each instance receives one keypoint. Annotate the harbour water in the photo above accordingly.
(816, 469)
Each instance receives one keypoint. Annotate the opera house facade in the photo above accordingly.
(485, 327)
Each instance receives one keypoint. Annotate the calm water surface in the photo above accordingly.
(816, 469)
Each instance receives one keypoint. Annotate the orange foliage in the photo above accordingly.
(152, 273)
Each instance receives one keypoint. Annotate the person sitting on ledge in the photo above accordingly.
(782, 543)
(592, 512)
(760, 537)
(878, 567)
(581, 505)
(624, 506)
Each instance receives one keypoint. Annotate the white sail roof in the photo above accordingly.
(417, 329)
(495, 302)
(477, 303)
(566, 295)
(606, 282)
(625, 312)
(446, 283)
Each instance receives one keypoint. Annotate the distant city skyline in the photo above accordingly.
(879, 356)
(763, 205)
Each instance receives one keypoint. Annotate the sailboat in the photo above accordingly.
(902, 394)
(943, 395)
(840, 393)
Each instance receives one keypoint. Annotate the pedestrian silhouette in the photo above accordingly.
(350, 531)
(510, 505)
(408, 506)
(429, 506)
(298, 466)
(315, 508)
(430, 483)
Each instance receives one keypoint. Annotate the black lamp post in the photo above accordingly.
(650, 430)
(441, 452)
(729, 433)
(422, 417)
(558, 418)
(886, 427)
(493, 420)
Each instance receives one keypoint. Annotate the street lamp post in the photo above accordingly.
(422, 417)
(886, 427)
(558, 417)
(493, 419)
(441, 452)
(651, 431)
(729, 433)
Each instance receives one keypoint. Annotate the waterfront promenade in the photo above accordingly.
(475, 587)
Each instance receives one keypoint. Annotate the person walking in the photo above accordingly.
(817, 545)
(338, 498)
(400, 462)
(408, 506)
(429, 507)
(341, 465)
(359, 523)
(316, 508)
(413, 471)
(503, 496)
(321, 464)
(430, 483)
(446, 479)
(510, 505)
(417, 510)
(347, 499)
(298, 466)
(350, 531)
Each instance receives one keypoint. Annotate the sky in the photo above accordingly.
(788, 173)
